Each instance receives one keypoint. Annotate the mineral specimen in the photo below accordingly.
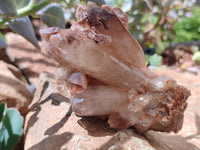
(103, 67)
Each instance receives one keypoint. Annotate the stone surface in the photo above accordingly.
(165, 141)
(13, 90)
(5, 56)
(189, 136)
(52, 125)
(28, 58)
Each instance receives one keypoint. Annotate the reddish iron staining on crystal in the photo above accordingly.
(102, 69)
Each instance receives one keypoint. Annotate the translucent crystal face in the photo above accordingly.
(103, 69)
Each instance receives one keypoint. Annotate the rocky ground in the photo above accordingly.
(51, 124)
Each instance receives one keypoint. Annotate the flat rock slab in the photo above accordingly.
(51, 125)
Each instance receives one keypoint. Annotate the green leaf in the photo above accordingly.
(52, 15)
(196, 57)
(111, 3)
(147, 58)
(22, 3)
(98, 2)
(23, 26)
(8, 8)
(2, 113)
(155, 60)
(137, 18)
(11, 130)
(195, 48)
(2, 43)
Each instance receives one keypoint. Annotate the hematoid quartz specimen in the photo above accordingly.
(103, 67)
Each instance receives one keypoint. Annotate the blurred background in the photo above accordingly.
(168, 30)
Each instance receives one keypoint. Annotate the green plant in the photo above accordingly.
(195, 49)
(14, 15)
(155, 60)
(10, 127)
(147, 58)
(161, 47)
(188, 28)
(196, 57)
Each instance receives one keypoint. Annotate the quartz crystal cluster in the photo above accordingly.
(102, 69)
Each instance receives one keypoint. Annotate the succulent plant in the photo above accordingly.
(11, 123)
(15, 15)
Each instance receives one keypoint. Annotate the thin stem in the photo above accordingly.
(27, 10)
(32, 2)
(30, 9)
